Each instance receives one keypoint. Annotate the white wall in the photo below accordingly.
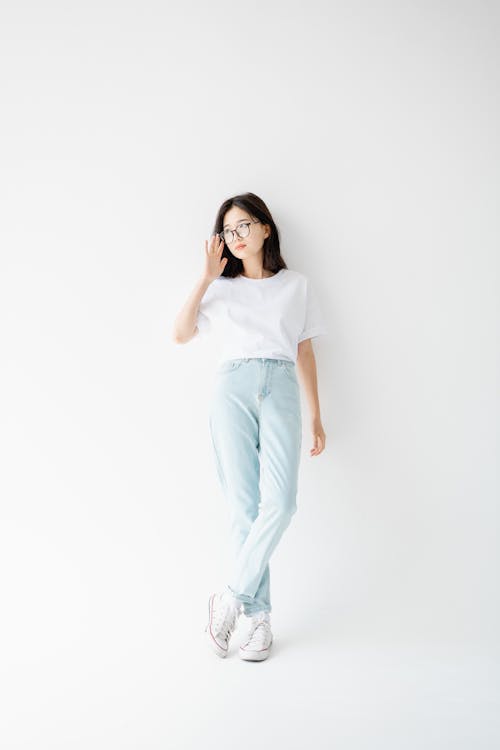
(371, 131)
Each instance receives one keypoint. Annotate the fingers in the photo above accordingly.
(214, 249)
(319, 445)
(221, 244)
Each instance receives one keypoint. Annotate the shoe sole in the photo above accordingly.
(213, 643)
(254, 655)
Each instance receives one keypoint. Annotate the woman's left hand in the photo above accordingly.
(319, 438)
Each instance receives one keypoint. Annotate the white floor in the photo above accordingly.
(140, 686)
(314, 691)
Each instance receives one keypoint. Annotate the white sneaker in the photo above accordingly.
(223, 612)
(258, 642)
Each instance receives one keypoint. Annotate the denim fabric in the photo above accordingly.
(256, 430)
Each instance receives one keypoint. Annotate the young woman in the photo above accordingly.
(266, 315)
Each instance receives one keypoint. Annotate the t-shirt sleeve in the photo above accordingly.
(205, 310)
(314, 323)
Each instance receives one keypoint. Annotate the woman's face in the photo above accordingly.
(253, 242)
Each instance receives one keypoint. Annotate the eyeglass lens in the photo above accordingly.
(242, 230)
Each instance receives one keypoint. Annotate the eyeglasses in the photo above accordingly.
(242, 230)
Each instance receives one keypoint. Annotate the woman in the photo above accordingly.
(266, 315)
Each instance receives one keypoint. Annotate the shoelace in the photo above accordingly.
(224, 621)
(260, 632)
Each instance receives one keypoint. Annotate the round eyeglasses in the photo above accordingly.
(242, 230)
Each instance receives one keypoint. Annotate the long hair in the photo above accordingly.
(257, 209)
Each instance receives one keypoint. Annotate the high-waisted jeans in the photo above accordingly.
(256, 430)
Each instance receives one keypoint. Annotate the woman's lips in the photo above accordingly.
(238, 246)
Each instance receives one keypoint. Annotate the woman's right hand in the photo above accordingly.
(214, 266)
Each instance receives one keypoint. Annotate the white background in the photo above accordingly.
(371, 132)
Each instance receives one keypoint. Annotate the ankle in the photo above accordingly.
(232, 600)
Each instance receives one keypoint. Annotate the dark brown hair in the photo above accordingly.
(255, 206)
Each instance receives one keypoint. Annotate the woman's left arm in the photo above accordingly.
(306, 367)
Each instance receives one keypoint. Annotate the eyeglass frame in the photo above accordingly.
(234, 231)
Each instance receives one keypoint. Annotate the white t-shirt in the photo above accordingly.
(261, 317)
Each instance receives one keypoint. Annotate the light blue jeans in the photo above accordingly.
(256, 430)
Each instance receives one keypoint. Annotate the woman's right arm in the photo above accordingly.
(185, 322)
